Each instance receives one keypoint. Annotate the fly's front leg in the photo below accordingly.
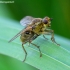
(52, 37)
(50, 32)
(38, 48)
(25, 53)
(45, 37)
(46, 33)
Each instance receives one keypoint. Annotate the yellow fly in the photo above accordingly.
(33, 28)
(39, 26)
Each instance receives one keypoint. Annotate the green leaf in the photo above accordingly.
(8, 63)
(53, 57)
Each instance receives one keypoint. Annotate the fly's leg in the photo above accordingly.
(25, 53)
(45, 37)
(38, 48)
(52, 37)
(29, 43)
(33, 38)
(50, 32)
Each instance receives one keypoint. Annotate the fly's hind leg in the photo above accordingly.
(25, 53)
(38, 48)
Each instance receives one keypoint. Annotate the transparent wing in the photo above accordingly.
(26, 20)
(18, 34)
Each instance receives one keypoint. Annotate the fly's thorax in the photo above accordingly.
(36, 20)
(38, 27)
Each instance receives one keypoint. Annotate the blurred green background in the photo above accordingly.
(59, 10)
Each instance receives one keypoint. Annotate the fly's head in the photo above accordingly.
(47, 21)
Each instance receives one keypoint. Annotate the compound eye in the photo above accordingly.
(45, 21)
(27, 32)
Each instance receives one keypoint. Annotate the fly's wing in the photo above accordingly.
(18, 34)
(26, 20)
